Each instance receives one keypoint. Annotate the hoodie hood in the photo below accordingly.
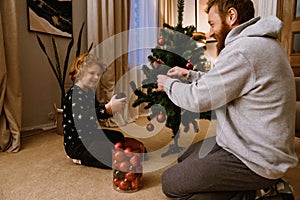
(256, 27)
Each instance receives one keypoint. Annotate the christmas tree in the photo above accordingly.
(176, 46)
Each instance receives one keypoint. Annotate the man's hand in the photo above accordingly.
(161, 79)
(178, 72)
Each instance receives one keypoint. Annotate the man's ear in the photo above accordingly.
(232, 17)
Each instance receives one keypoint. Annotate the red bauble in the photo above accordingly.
(124, 166)
(116, 182)
(134, 160)
(136, 183)
(139, 169)
(130, 176)
(128, 151)
(118, 145)
(155, 64)
(124, 185)
(189, 65)
(161, 118)
(116, 164)
(161, 41)
(118, 156)
(150, 127)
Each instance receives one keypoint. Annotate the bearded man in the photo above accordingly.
(251, 88)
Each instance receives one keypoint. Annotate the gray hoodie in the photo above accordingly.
(252, 90)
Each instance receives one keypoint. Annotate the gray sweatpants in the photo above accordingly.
(207, 171)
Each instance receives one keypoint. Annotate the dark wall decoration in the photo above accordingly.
(50, 16)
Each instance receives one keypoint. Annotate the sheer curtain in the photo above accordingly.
(144, 14)
(10, 80)
(146, 18)
(265, 8)
(142, 37)
(147, 15)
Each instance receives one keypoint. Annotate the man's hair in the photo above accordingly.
(244, 8)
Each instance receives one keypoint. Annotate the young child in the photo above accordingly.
(84, 141)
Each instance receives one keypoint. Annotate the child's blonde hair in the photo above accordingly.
(82, 61)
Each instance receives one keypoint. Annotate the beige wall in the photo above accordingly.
(39, 86)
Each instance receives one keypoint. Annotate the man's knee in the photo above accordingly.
(167, 184)
(164, 184)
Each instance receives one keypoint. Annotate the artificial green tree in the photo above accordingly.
(176, 46)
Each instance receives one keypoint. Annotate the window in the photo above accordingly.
(143, 17)
(289, 12)
(296, 46)
(298, 9)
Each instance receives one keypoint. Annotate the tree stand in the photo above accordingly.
(173, 148)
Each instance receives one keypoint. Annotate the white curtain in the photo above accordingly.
(146, 18)
(265, 8)
(143, 16)
(142, 37)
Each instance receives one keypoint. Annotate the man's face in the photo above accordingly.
(218, 28)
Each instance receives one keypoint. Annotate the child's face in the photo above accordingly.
(90, 77)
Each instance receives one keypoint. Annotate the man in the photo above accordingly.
(251, 88)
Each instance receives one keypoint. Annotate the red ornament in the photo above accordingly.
(134, 160)
(118, 145)
(150, 127)
(130, 176)
(189, 65)
(119, 156)
(124, 185)
(136, 183)
(139, 169)
(161, 41)
(155, 64)
(116, 182)
(161, 118)
(116, 164)
(124, 166)
(128, 151)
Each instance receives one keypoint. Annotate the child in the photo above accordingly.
(84, 141)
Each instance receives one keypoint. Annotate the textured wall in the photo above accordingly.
(40, 89)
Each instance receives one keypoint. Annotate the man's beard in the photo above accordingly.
(220, 36)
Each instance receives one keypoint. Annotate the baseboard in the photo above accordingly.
(33, 130)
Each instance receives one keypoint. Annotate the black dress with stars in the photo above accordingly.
(83, 139)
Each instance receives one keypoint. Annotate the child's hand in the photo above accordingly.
(117, 105)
